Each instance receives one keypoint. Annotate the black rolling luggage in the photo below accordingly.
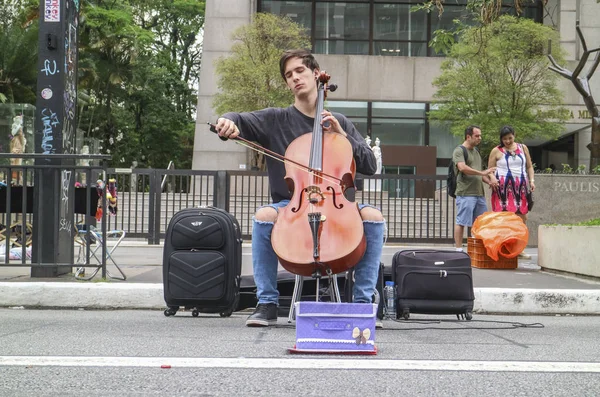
(433, 282)
(380, 299)
(202, 262)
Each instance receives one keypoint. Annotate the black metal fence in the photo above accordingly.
(416, 208)
(43, 207)
(35, 212)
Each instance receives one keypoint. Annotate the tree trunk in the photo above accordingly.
(594, 145)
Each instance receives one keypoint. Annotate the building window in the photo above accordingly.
(399, 32)
(443, 140)
(375, 27)
(357, 112)
(298, 11)
(399, 124)
(341, 47)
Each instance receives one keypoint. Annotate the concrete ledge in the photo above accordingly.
(150, 296)
(571, 249)
(537, 301)
(81, 295)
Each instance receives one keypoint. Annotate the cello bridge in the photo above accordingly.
(314, 194)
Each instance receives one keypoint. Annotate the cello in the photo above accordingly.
(320, 230)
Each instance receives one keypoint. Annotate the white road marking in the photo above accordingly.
(295, 363)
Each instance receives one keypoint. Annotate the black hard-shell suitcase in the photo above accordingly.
(285, 286)
(379, 297)
(433, 282)
(202, 262)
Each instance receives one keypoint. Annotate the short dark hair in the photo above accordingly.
(504, 131)
(308, 60)
(469, 130)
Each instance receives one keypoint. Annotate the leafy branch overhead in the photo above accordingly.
(497, 74)
(485, 11)
(139, 62)
(475, 13)
(249, 79)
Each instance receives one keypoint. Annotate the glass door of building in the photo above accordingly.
(398, 187)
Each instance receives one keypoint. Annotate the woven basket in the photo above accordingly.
(481, 260)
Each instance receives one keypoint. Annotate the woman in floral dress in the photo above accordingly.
(514, 174)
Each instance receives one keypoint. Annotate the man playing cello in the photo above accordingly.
(274, 129)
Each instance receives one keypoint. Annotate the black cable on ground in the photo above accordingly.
(465, 323)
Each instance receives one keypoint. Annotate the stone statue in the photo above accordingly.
(374, 185)
(17, 146)
(17, 139)
(85, 149)
(378, 157)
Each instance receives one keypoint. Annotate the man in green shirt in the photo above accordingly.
(470, 197)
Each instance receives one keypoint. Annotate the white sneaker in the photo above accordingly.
(523, 255)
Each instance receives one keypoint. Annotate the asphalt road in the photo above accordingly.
(109, 353)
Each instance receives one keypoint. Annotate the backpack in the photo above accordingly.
(452, 175)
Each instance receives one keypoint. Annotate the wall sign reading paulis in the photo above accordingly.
(583, 187)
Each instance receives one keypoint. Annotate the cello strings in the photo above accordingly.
(276, 156)
(312, 173)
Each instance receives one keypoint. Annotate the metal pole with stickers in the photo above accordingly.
(55, 128)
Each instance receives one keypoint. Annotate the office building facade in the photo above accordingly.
(377, 52)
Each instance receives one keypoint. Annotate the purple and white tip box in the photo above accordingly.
(335, 327)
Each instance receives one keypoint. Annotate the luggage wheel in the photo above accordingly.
(228, 313)
(406, 314)
(170, 311)
(465, 316)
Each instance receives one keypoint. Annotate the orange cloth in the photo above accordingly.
(502, 233)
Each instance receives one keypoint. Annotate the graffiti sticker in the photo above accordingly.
(51, 10)
(47, 93)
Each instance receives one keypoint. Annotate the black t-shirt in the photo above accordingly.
(276, 128)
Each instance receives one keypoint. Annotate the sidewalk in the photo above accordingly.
(525, 290)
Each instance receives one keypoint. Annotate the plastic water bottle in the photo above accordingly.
(390, 298)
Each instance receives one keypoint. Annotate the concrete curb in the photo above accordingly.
(150, 296)
(537, 301)
(82, 295)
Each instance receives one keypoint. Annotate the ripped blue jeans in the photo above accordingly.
(264, 260)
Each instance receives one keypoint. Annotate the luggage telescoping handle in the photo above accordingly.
(429, 251)
(435, 263)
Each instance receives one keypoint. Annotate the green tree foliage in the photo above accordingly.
(249, 79)
(483, 11)
(476, 13)
(18, 51)
(139, 62)
(497, 74)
